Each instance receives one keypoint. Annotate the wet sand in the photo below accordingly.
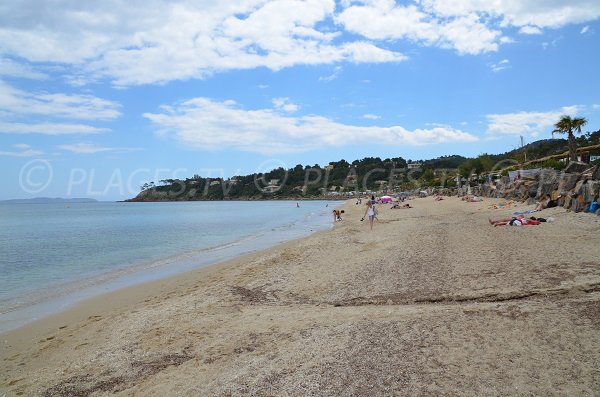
(433, 301)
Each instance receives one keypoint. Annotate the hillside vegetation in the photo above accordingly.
(342, 177)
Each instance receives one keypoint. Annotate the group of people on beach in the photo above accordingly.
(519, 218)
(370, 213)
(370, 210)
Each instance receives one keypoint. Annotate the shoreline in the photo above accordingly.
(20, 312)
(433, 301)
(110, 301)
(340, 198)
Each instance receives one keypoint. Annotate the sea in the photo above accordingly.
(55, 255)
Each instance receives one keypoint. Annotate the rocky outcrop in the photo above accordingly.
(576, 167)
(574, 188)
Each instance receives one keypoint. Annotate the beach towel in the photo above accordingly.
(524, 212)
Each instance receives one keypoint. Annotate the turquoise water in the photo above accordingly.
(52, 255)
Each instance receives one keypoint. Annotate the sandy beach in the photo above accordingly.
(433, 301)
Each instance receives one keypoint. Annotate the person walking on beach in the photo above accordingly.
(370, 212)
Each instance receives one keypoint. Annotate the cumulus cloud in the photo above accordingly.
(157, 41)
(526, 123)
(543, 14)
(205, 124)
(467, 26)
(383, 20)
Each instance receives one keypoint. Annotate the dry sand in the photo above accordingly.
(433, 301)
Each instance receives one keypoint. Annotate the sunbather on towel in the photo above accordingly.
(515, 221)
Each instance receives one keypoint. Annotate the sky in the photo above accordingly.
(99, 97)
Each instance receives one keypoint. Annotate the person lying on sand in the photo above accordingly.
(438, 198)
(515, 221)
(399, 206)
(508, 204)
(472, 199)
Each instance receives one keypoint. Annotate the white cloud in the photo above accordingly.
(526, 123)
(11, 68)
(205, 124)
(371, 116)
(383, 20)
(468, 26)
(20, 108)
(528, 29)
(25, 151)
(553, 43)
(157, 41)
(519, 13)
(585, 29)
(503, 64)
(92, 148)
(48, 128)
(336, 73)
(82, 107)
(285, 105)
(596, 106)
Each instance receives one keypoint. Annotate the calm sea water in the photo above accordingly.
(52, 255)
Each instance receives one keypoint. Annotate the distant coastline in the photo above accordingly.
(49, 200)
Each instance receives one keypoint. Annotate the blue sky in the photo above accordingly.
(97, 98)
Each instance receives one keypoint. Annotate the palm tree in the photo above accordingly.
(566, 125)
